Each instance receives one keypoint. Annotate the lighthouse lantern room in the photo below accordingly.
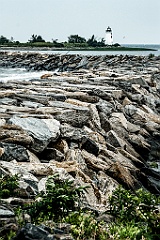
(109, 36)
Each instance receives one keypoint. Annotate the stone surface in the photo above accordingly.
(94, 121)
(41, 131)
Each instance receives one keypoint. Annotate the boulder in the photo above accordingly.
(13, 134)
(13, 152)
(30, 232)
(90, 146)
(114, 139)
(42, 131)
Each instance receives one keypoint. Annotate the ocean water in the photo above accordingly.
(16, 74)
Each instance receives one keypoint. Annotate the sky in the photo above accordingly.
(132, 21)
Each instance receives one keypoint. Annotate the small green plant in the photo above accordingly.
(139, 208)
(153, 165)
(9, 186)
(10, 235)
(130, 230)
(60, 198)
(84, 226)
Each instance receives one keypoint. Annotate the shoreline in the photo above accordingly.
(77, 49)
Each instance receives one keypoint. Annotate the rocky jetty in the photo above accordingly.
(94, 120)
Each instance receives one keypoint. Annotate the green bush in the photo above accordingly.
(9, 186)
(60, 198)
(135, 209)
(85, 226)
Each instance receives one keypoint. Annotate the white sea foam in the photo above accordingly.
(18, 74)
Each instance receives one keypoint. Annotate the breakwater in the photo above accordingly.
(95, 121)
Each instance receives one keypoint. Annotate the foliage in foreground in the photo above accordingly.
(136, 215)
(60, 198)
(85, 226)
(8, 186)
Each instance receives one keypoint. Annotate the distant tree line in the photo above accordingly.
(73, 41)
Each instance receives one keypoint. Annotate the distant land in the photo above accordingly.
(74, 43)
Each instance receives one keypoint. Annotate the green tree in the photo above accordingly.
(3, 40)
(76, 39)
(92, 42)
(60, 198)
(36, 38)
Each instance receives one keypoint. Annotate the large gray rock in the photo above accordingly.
(14, 152)
(42, 130)
(6, 212)
(30, 232)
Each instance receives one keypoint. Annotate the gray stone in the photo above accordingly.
(51, 153)
(42, 131)
(113, 139)
(72, 133)
(30, 232)
(14, 152)
(77, 118)
(8, 101)
(104, 106)
(90, 146)
(6, 212)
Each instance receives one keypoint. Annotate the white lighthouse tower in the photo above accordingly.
(109, 36)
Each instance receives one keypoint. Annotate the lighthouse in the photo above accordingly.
(109, 37)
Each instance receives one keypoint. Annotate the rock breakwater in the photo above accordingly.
(95, 120)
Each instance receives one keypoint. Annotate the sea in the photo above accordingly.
(17, 74)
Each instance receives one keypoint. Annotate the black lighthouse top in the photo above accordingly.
(109, 29)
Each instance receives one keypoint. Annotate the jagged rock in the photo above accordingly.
(13, 134)
(105, 107)
(42, 131)
(72, 133)
(60, 145)
(113, 139)
(105, 123)
(7, 220)
(30, 231)
(133, 128)
(6, 212)
(30, 104)
(8, 101)
(14, 152)
(140, 142)
(2, 122)
(27, 182)
(106, 185)
(90, 146)
(82, 97)
(95, 119)
(51, 153)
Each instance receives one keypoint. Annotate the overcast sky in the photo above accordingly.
(132, 21)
